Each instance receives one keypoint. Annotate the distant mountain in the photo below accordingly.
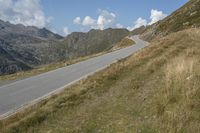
(186, 17)
(26, 47)
(19, 45)
(7, 30)
(94, 41)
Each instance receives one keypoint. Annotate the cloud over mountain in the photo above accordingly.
(77, 20)
(26, 12)
(104, 20)
(89, 21)
(154, 17)
(66, 31)
(138, 23)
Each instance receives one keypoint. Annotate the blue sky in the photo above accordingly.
(127, 11)
(58, 15)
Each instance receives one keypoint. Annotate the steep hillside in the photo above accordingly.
(155, 90)
(29, 47)
(186, 17)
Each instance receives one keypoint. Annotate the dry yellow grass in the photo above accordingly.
(178, 99)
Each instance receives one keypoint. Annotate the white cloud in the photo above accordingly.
(156, 16)
(129, 28)
(88, 21)
(138, 23)
(118, 25)
(26, 12)
(5, 4)
(77, 20)
(104, 20)
(66, 31)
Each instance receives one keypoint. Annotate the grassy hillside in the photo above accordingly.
(154, 90)
(186, 17)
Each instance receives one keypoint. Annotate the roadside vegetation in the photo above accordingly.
(154, 90)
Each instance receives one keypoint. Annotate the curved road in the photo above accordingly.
(17, 95)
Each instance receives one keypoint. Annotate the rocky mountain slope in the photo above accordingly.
(186, 17)
(81, 44)
(24, 47)
(18, 45)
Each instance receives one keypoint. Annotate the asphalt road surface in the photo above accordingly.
(15, 96)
